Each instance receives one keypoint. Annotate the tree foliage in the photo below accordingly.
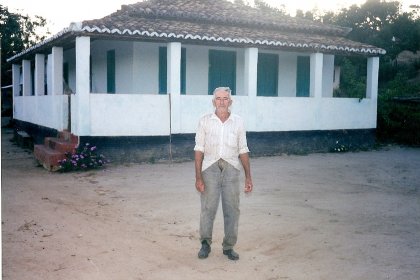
(18, 32)
(383, 24)
(380, 23)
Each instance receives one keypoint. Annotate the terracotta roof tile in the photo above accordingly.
(212, 22)
(224, 22)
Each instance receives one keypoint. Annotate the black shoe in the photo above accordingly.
(232, 255)
(204, 251)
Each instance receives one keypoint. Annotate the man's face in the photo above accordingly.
(222, 101)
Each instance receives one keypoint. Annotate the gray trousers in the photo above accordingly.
(221, 180)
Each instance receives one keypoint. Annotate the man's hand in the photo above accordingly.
(247, 169)
(248, 185)
(199, 185)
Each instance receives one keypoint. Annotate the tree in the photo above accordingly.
(261, 5)
(402, 34)
(368, 20)
(18, 32)
(381, 24)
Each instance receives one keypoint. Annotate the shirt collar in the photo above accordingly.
(215, 117)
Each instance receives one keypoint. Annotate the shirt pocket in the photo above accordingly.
(233, 140)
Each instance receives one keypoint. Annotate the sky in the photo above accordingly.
(59, 14)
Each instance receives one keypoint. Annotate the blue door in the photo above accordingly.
(267, 74)
(303, 76)
(110, 71)
(222, 70)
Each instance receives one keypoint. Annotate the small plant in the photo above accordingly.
(85, 158)
(339, 148)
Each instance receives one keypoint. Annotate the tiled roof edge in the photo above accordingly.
(94, 29)
(74, 27)
(291, 26)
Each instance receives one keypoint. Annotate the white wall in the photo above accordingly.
(197, 70)
(147, 115)
(129, 115)
(40, 109)
(287, 74)
(98, 70)
(146, 68)
(306, 113)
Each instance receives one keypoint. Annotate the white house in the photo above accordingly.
(136, 82)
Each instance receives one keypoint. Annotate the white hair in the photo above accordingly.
(226, 89)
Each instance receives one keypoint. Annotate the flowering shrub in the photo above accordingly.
(85, 158)
(339, 148)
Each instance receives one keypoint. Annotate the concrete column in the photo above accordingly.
(57, 86)
(15, 86)
(26, 77)
(57, 71)
(250, 86)
(316, 75)
(372, 78)
(81, 107)
(16, 79)
(49, 74)
(328, 76)
(39, 74)
(174, 84)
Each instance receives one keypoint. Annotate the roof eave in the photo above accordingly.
(77, 28)
(63, 35)
(370, 51)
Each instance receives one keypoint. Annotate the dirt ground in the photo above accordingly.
(320, 216)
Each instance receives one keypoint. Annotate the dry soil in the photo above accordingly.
(319, 216)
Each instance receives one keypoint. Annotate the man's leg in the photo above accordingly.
(230, 205)
(209, 204)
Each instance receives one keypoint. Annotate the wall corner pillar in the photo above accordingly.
(174, 85)
(316, 70)
(250, 86)
(80, 107)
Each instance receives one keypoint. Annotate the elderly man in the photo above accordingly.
(220, 150)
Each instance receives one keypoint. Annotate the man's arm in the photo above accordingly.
(199, 183)
(247, 169)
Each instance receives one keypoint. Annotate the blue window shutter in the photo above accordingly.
(267, 74)
(222, 70)
(303, 76)
(183, 70)
(163, 70)
(66, 72)
(110, 71)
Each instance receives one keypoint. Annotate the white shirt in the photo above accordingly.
(218, 140)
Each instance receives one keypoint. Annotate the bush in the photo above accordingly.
(85, 158)
(339, 147)
(353, 80)
(399, 120)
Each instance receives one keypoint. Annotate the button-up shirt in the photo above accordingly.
(221, 140)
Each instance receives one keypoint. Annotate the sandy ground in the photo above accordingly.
(320, 216)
